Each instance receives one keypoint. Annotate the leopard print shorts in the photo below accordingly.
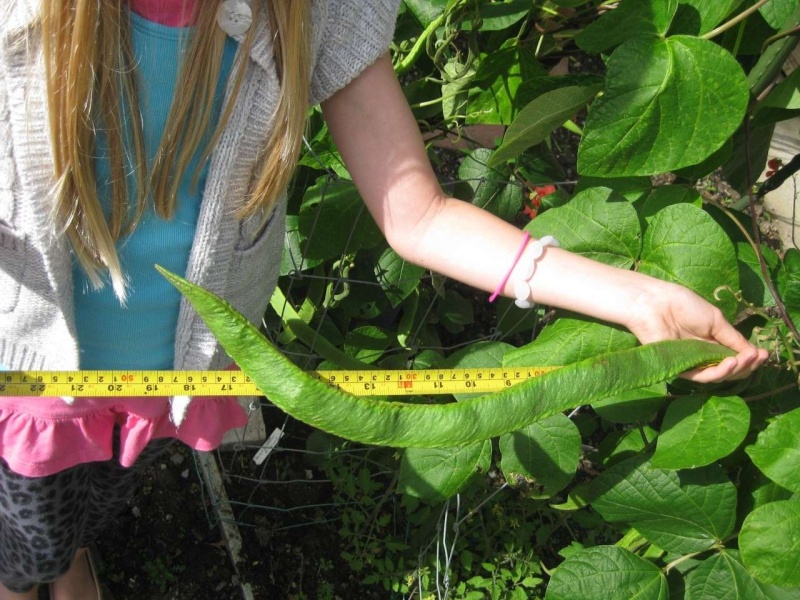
(44, 520)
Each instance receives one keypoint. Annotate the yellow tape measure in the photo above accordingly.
(235, 383)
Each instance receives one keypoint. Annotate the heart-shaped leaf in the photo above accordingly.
(768, 543)
(654, 114)
(683, 244)
(597, 223)
(440, 473)
(698, 431)
(777, 450)
(397, 277)
(607, 572)
(687, 511)
(488, 187)
(724, 576)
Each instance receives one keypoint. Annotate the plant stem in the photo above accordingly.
(779, 36)
(728, 24)
(681, 559)
(769, 394)
(781, 175)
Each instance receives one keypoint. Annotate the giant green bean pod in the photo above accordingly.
(398, 424)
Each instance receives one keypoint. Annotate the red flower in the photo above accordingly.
(774, 164)
(535, 196)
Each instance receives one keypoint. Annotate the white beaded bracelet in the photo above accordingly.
(522, 287)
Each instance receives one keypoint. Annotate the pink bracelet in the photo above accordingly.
(526, 236)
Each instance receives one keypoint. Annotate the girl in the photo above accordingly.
(166, 131)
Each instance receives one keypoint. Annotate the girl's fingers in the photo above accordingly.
(734, 367)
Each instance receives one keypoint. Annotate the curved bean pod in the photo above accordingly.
(397, 424)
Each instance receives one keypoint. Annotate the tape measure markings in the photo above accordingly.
(236, 383)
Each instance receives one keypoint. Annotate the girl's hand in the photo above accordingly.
(674, 312)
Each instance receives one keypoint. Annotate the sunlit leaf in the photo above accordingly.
(768, 543)
(607, 572)
(438, 474)
(698, 431)
(686, 511)
(659, 98)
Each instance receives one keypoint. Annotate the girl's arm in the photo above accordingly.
(379, 140)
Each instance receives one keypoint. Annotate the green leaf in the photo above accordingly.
(684, 512)
(783, 102)
(397, 277)
(699, 431)
(544, 454)
(756, 489)
(292, 258)
(632, 188)
(622, 445)
(630, 20)
(457, 78)
(367, 343)
(775, 12)
(438, 474)
(632, 406)
(455, 311)
(496, 16)
(777, 450)
(567, 340)
(768, 543)
(707, 166)
(426, 11)
(696, 17)
(323, 155)
(538, 119)
(491, 189)
(597, 223)
(789, 280)
(683, 244)
(755, 145)
(751, 280)
(607, 572)
(667, 195)
(334, 221)
(496, 92)
(376, 421)
(659, 98)
(724, 577)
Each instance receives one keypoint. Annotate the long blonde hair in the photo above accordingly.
(90, 74)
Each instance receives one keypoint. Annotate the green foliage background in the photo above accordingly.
(663, 490)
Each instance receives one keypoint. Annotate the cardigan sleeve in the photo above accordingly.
(353, 34)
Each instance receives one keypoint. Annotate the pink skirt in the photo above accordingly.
(41, 436)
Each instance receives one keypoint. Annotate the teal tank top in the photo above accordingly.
(141, 335)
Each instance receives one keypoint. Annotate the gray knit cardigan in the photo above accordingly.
(228, 257)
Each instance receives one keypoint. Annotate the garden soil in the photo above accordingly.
(167, 545)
